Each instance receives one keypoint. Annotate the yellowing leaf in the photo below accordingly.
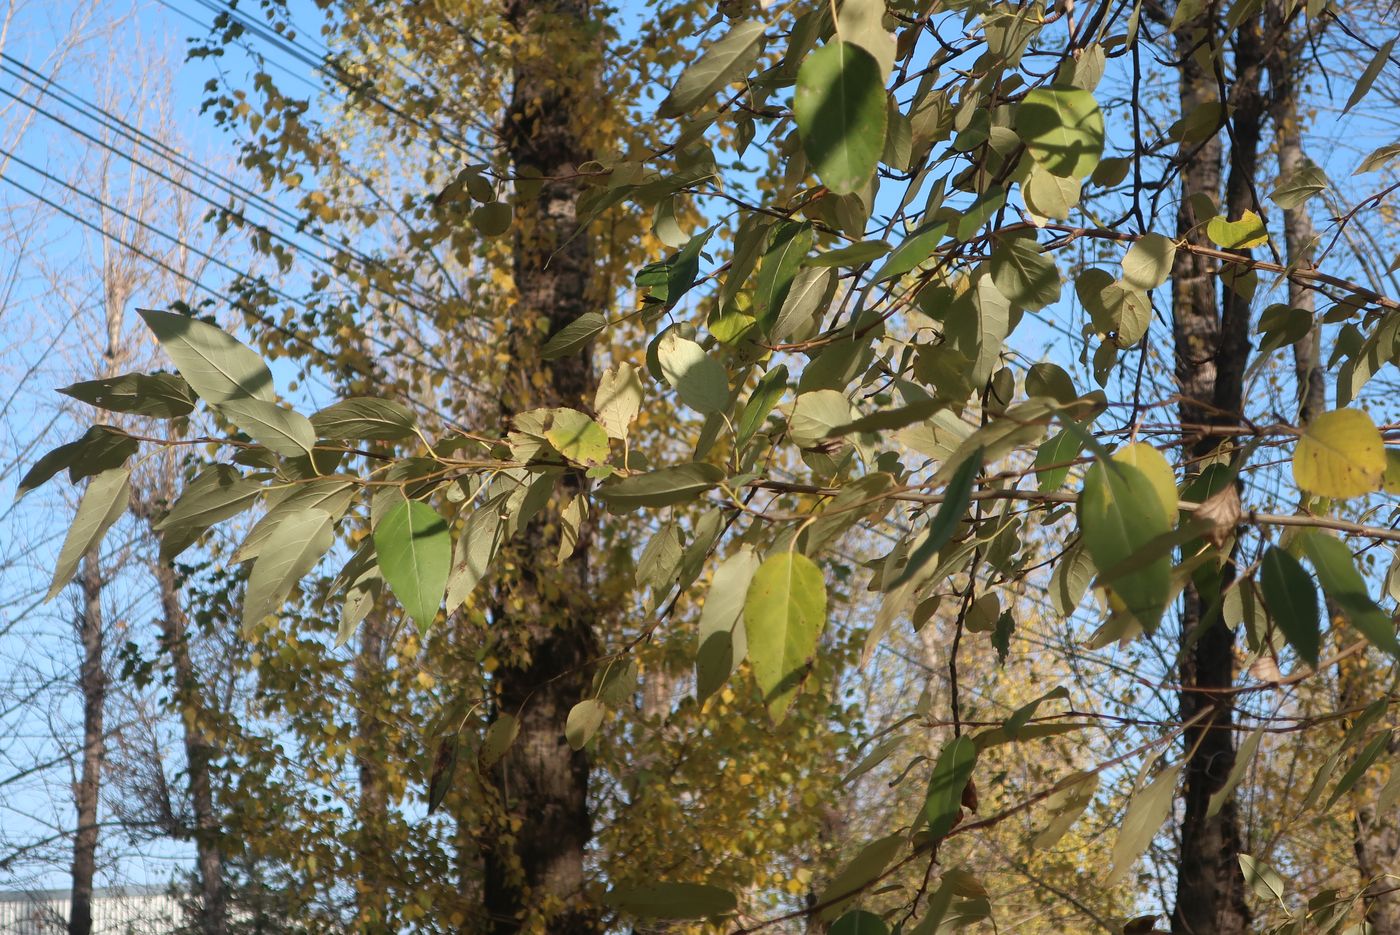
(1150, 462)
(1248, 231)
(1340, 455)
(784, 613)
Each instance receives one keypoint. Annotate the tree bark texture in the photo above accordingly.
(545, 614)
(92, 684)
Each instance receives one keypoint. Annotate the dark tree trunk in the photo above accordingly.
(370, 757)
(199, 755)
(92, 683)
(545, 615)
(1212, 349)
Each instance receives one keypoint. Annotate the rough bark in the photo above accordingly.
(92, 683)
(1212, 349)
(370, 756)
(545, 615)
(199, 756)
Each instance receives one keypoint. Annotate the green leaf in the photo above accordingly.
(492, 219)
(158, 395)
(1146, 812)
(364, 417)
(792, 241)
(1368, 77)
(1302, 184)
(1148, 262)
(761, 401)
(856, 254)
(499, 737)
(618, 400)
(726, 60)
(859, 922)
(1344, 585)
(102, 504)
(331, 494)
(723, 641)
(807, 300)
(916, 248)
(475, 549)
(668, 486)
(218, 367)
(701, 381)
(671, 900)
(577, 437)
(784, 613)
(865, 868)
(841, 114)
(1243, 758)
(951, 774)
(1066, 805)
(284, 431)
(1262, 878)
(1358, 767)
(956, 498)
(574, 336)
(218, 493)
(293, 549)
(1023, 274)
(1248, 231)
(1061, 449)
(1292, 601)
(415, 556)
(1062, 129)
(1120, 512)
(1050, 195)
(583, 722)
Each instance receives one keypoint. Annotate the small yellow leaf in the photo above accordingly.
(1150, 461)
(1392, 471)
(1340, 455)
(1248, 231)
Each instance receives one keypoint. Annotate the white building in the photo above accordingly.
(127, 910)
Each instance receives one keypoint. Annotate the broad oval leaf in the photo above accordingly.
(293, 549)
(841, 114)
(1340, 455)
(499, 737)
(701, 381)
(951, 774)
(1292, 601)
(573, 336)
(1343, 584)
(102, 504)
(765, 396)
(216, 365)
(1145, 815)
(672, 900)
(670, 485)
(285, 431)
(158, 395)
(723, 641)
(728, 59)
(1063, 130)
(1155, 467)
(583, 722)
(784, 613)
(364, 417)
(415, 555)
(1120, 512)
(859, 922)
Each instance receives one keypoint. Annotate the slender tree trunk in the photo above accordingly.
(545, 615)
(1211, 352)
(92, 682)
(199, 755)
(370, 756)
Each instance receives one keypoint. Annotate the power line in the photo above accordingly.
(325, 356)
(122, 128)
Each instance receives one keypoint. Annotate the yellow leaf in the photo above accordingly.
(1150, 461)
(1340, 455)
(1392, 471)
(1248, 231)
